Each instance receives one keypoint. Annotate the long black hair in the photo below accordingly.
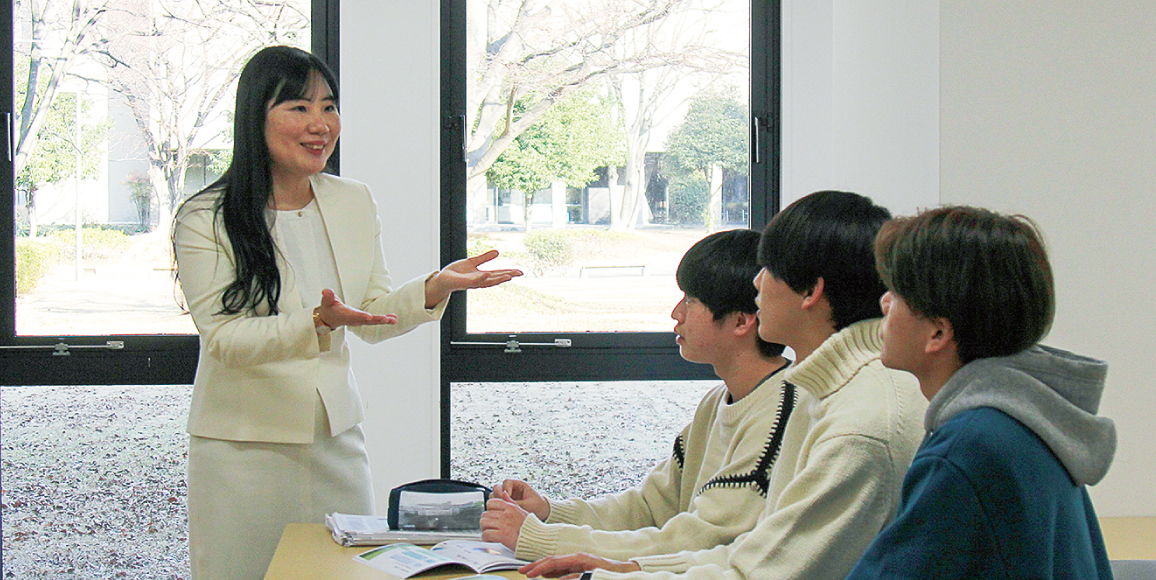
(273, 75)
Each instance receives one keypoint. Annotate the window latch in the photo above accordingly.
(513, 346)
(64, 349)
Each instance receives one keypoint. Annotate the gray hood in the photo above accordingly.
(1053, 392)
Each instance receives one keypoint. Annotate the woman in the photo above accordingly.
(277, 260)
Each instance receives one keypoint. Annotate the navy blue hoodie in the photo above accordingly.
(997, 490)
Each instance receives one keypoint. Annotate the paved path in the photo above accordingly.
(141, 298)
(107, 300)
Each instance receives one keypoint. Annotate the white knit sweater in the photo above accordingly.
(837, 480)
(708, 492)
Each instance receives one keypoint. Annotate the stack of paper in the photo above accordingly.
(352, 530)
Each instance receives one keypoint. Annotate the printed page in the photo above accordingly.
(481, 556)
(402, 560)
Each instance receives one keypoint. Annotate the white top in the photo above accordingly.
(301, 236)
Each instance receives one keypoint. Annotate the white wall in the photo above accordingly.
(1049, 109)
(861, 100)
(1043, 108)
(389, 110)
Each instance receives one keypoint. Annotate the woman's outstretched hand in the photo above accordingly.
(335, 313)
(465, 275)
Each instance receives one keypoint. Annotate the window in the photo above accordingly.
(592, 143)
(129, 98)
(529, 431)
(121, 109)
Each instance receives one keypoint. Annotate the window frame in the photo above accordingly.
(591, 356)
(144, 359)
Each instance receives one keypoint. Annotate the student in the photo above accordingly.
(997, 490)
(712, 487)
(856, 424)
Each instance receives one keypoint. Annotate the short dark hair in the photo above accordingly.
(985, 273)
(828, 235)
(717, 271)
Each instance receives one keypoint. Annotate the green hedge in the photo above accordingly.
(554, 249)
(99, 242)
(689, 199)
(475, 246)
(34, 258)
(548, 250)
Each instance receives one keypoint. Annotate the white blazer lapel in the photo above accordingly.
(348, 218)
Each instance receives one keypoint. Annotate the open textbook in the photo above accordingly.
(354, 530)
(405, 560)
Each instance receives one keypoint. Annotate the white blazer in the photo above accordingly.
(257, 374)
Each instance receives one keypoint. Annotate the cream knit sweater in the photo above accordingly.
(838, 477)
(708, 492)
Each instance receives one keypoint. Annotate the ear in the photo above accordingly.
(942, 339)
(746, 322)
(812, 297)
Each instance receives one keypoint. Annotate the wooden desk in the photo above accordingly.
(1129, 538)
(308, 552)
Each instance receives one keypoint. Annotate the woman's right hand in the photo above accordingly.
(334, 313)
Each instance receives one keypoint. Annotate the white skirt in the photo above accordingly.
(241, 495)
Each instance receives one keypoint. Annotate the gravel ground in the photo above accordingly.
(93, 482)
(566, 439)
(93, 477)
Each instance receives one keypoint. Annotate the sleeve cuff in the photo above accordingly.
(437, 311)
(562, 512)
(661, 563)
(536, 540)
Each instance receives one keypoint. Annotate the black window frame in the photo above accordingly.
(591, 356)
(144, 359)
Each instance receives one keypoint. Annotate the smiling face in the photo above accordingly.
(698, 334)
(301, 133)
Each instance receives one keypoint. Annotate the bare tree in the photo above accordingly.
(644, 97)
(539, 51)
(173, 61)
(53, 35)
(175, 66)
(64, 141)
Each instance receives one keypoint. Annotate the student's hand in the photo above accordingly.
(335, 313)
(522, 494)
(465, 275)
(502, 520)
(574, 564)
